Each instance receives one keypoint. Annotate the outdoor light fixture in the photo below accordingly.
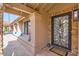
(76, 15)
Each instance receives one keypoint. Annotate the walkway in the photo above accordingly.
(13, 48)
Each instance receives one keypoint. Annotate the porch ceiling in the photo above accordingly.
(48, 7)
(19, 7)
(40, 6)
(25, 9)
(29, 8)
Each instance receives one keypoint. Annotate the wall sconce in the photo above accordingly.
(76, 14)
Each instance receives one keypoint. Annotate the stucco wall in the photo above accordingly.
(41, 31)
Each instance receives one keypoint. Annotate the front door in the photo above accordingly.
(61, 30)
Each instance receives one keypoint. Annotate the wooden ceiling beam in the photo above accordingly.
(20, 7)
(13, 11)
(49, 7)
(42, 7)
(36, 5)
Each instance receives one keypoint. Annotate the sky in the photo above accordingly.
(9, 17)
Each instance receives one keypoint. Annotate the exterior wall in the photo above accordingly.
(41, 31)
(75, 37)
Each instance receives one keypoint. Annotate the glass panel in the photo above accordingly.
(25, 27)
(61, 30)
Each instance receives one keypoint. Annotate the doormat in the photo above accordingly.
(59, 51)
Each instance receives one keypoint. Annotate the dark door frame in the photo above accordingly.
(69, 34)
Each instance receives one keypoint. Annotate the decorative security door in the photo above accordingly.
(61, 28)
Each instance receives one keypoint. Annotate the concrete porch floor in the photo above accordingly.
(11, 47)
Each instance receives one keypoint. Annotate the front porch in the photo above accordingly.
(35, 33)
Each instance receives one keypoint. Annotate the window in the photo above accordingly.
(27, 27)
